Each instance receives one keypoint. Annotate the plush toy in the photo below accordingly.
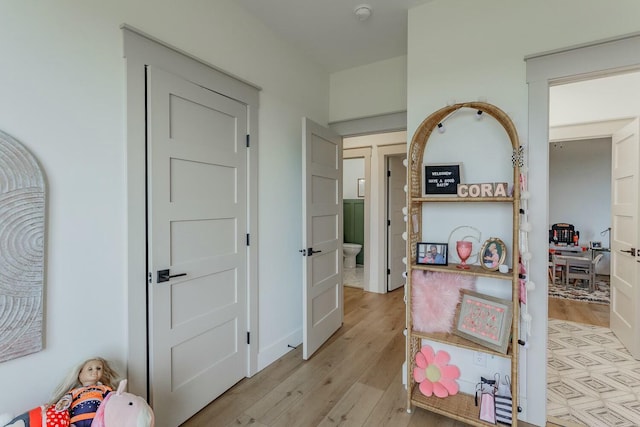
(118, 409)
(122, 409)
(42, 416)
(83, 390)
(82, 396)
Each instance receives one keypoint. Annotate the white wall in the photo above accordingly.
(605, 98)
(352, 170)
(369, 90)
(62, 86)
(479, 53)
(580, 189)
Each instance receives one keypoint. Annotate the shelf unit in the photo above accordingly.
(461, 406)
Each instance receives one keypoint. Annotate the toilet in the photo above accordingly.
(349, 251)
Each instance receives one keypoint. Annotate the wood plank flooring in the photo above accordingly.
(581, 312)
(353, 380)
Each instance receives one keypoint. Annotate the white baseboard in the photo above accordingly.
(268, 355)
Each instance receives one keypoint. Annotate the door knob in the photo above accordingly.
(165, 275)
(310, 251)
(631, 251)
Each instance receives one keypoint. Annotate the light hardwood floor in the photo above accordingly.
(580, 312)
(353, 380)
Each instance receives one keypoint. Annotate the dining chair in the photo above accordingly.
(579, 268)
(594, 267)
(558, 268)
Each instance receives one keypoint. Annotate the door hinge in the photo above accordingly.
(248, 239)
(388, 223)
(388, 271)
(388, 173)
(248, 140)
(248, 337)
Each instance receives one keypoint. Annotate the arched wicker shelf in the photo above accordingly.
(461, 406)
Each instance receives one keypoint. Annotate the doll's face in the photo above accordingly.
(90, 373)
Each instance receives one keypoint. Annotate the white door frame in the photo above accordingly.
(387, 217)
(545, 69)
(383, 153)
(141, 50)
(364, 153)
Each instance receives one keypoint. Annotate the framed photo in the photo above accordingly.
(360, 187)
(492, 254)
(441, 179)
(485, 320)
(429, 253)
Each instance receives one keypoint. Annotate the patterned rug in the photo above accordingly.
(592, 380)
(580, 292)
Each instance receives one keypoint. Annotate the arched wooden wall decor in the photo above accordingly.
(22, 217)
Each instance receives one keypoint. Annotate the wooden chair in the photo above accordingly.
(580, 268)
(594, 266)
(558, 268)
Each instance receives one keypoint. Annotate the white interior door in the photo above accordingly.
(625, 297)
(321, 235)
(197, 201)
(396, 198)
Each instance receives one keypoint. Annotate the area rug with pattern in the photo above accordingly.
(581, 293)
(592, 380)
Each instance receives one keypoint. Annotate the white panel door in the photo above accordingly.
(321, 234)
(396, 199)
(625, 297)
(197, 201)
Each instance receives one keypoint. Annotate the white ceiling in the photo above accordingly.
(329, 32)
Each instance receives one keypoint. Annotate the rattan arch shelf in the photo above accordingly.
(461, 406)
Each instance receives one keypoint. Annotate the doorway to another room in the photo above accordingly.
(373, 202)
(585, 119)
(354, 183)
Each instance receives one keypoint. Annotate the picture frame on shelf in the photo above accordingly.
(484, 319)
(492, 254)
(432, 253)
(442, 179)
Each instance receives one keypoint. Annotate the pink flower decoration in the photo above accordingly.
(434, 374)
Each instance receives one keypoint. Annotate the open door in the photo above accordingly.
(396, 201)
(625, 260)
(321, 235)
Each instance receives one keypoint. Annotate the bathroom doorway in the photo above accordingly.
(355, 180)
(375, 150)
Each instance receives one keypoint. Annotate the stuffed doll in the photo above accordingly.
(118, 409)
(84, 389)
(123, 409)
(76, 399)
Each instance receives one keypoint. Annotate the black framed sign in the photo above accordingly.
(441, 179)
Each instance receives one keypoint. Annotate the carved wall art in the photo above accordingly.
(22, 219)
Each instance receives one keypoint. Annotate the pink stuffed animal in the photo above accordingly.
(122, 409)
(118, 409)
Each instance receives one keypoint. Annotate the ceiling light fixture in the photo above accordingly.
(363, 12)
